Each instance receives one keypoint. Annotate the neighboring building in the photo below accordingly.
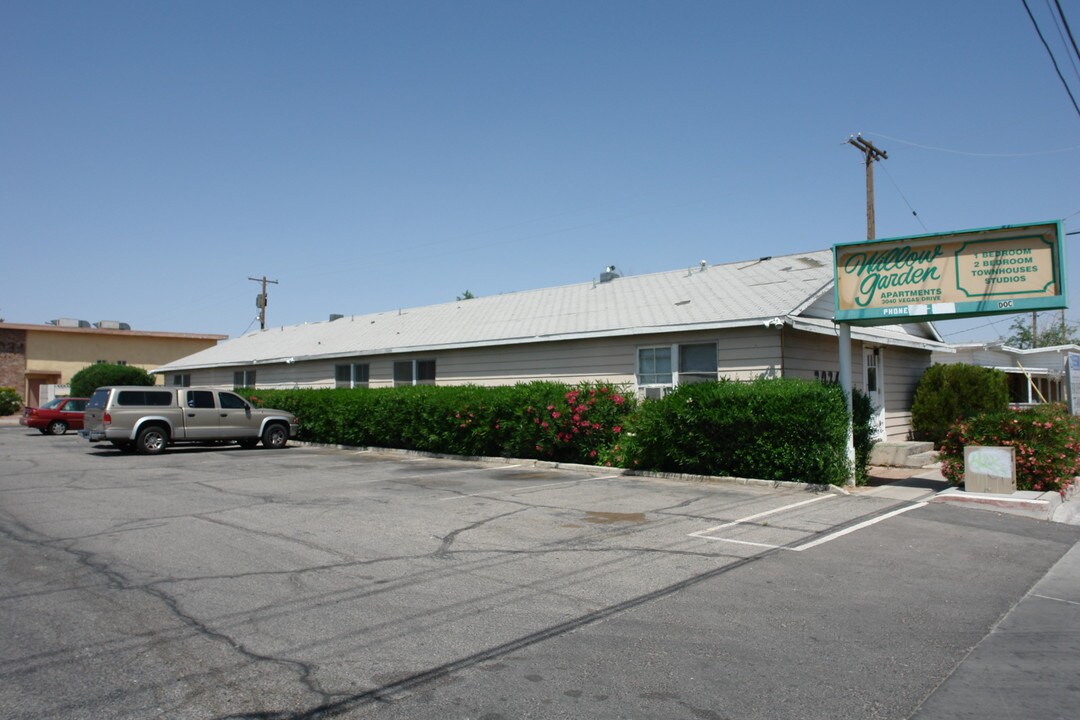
(33, 357)
(762, 318)
(1035, 376)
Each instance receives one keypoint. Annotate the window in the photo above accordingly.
(121, 362)
(403, 374)
(200, 399)
(231, 402)
(182, 380)
(654, 366)
(243, 378)
(696, 362)
(414, 372)
(144, 397)
(350, 376)
(425, 372)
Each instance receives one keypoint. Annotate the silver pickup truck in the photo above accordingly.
(148, 419)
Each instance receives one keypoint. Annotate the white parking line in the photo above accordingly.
(853, 528)
(511, 491)
(748, 518)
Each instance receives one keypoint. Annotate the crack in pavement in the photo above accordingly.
(118, 581)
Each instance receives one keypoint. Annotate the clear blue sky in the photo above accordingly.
(377, 155)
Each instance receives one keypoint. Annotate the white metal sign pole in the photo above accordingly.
(845, 383)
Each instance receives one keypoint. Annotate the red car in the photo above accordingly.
(55, 417)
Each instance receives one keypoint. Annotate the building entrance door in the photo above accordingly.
(874, 385)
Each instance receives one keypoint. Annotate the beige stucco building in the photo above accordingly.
(33, 356)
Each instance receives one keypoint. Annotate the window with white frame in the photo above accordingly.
(697, 363)
(669, 365)
(243, 379)
(182, 380)
(654, 366)
(352, 375)
(414, 372)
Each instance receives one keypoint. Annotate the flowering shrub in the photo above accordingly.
(582, 425)
(1046, 438)
(543, 420)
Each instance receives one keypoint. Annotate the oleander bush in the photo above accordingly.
(1046, 439)
(949, 393)
(770, 429)
(543, 420)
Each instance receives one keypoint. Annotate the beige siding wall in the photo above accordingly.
(812, 356)
(743, 354)
(903, 368)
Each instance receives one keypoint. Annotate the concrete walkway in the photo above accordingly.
(1027, 666)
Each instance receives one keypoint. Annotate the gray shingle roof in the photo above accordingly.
(730, 295)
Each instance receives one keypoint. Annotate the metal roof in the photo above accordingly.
(699, 297)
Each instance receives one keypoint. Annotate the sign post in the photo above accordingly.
(1072, 377)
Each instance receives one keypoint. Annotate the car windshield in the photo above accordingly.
(52, 404)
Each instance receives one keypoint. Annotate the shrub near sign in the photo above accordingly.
(973, 272)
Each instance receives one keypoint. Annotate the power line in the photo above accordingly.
(974, 154)
(1061, 14)
(1059, 20)
(1052, 59)
(891, 179)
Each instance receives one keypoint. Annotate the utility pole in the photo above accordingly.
(870, 154)
(260, 300)
(843, 330)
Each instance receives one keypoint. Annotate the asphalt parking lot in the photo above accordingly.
(313, 582)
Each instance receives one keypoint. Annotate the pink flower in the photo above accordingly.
(544, 424)
(556, 415)
(617, 429)
(592, 453)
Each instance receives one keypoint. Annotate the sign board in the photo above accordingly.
(1017, 268)
(990, 469)
(1072, 377)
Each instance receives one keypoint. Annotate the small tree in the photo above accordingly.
(948, 393)
(1050, 334)
(84, 382)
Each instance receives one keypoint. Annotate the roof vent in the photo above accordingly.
(335, 316)
(111, 325)
(609, 274)
(69, 322)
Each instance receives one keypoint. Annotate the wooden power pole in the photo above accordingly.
(260, 301)
(870, 154)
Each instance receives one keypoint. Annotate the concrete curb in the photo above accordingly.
(592, 469)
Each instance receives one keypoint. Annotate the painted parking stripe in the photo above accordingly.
(866, 523)
(749, 518)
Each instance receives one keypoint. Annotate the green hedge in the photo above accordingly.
(545, 420)
(770, 429)
(1046, 439)
(91, 377)
(10, 402)
(948, 393)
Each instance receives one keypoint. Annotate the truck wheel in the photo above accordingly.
(57, 427)
(151, 440)
(275, 436)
